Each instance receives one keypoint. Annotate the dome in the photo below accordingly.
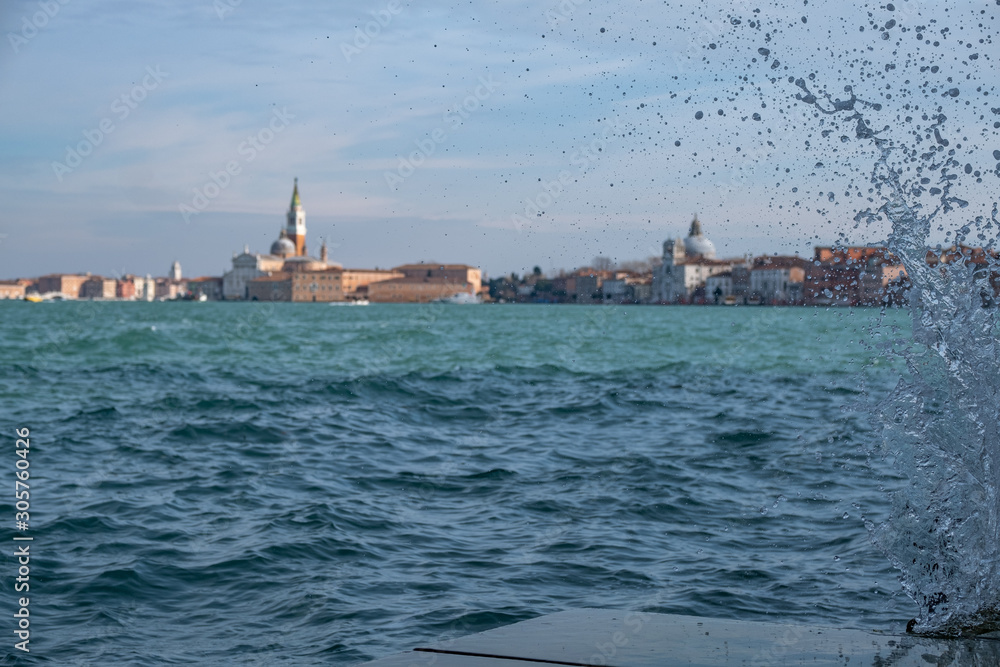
(283, 247)
(699, 246)
(696, 245)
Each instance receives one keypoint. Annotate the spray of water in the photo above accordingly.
(941, 423)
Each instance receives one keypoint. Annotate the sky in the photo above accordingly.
(501, 134)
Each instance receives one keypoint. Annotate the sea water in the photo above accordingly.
(254, 483)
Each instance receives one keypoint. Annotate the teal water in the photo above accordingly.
(222, 483)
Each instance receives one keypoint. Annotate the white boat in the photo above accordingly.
(359, 302)
(462, 298)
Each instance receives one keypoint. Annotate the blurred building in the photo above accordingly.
(588, 288)
(209, 287)
(136, 288)
(287, 255)
(13, 289)
(67, 284)
(276, 286)
(687, 265)
(854, 276)
(97, 287)
(778, 280)
(719, 288)
(425, 282)
(983, 263)
(626, 287)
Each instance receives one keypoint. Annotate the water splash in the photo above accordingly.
(941, 423)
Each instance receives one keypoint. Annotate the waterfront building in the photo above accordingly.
(97, 287)
(424, 282)
(778, 279)
(854, 276)
(459, 274)
(718, 287)
(246, 267)
(148, 292)
(642, 290)
(415, 290)
(588, 288)
(322, 286)
(208, 286)
(287, 255)
(125, 288)
(67, 284)
(687, 264)
(13, 289)
(276, 286)
(355, 283)
(136, 288)
(175, 271)
(168, 289)
(336, 284)
(625, 287)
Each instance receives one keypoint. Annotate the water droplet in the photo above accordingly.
(699, 115)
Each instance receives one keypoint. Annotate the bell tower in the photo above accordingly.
(296, 227)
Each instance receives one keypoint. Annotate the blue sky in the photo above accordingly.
(500, 99)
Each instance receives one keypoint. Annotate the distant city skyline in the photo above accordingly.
(504, 135)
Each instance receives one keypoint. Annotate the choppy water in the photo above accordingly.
(259, 484)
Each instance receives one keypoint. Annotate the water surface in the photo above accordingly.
(222, 483)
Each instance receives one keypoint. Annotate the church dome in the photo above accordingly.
(699, 246)
(696, 245)
(283, 247)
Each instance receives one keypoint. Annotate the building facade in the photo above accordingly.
(67, 284)
(13, 289)
(274, 287)
(687, 264)
(778, 280)
(287, 255)
(415, 290)
(854, 276)
(97, 287)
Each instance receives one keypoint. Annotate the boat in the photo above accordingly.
(462, 298)
(33, 298)
(358, 302)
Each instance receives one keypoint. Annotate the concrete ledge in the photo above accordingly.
(640, 639)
